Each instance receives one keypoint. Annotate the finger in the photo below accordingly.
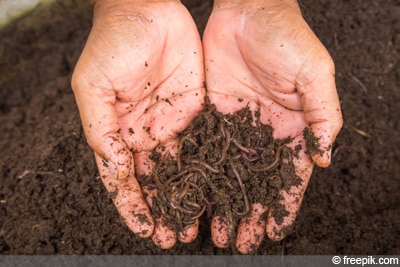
(281, 218)
(316, 85)
(100, 123)
(163, 237)
(128, 199)
(251, 230)
(219, 232)
(190, 233)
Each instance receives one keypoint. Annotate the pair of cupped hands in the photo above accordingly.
(141, 80)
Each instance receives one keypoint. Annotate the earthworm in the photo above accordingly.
(199, 213)
(243, 148)
(225, 147)
(231, 230)
(184, 191)
(187, 223)
(192, 132)
(160, 185)
(160, 188)
(162, 209)
(237, 156)
(228, 182)
(191, 204)
(189, 207)
(246, 200)
(185, 210)
(209, 207)
(178, 218)
(157, 181)
(173, 201)
(187, 177)
(207, 166)
(251, 158)
(272, 165)
(208, 181)
(288, 152)
(222, 129)
(167, 182)
(199, 190)
(178, 157)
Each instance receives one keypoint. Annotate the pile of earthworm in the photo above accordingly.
(224, 163)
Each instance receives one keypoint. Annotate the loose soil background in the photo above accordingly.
(52, 202)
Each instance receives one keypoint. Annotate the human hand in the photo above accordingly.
(138, 83)
(265, 53)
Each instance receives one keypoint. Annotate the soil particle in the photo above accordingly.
(142, 218)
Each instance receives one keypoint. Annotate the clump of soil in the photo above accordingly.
(223, 165)
(312, 143)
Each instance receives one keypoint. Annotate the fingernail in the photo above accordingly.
(323, 160)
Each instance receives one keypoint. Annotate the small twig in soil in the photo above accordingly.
(357, 81)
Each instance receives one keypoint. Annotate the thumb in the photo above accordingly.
(100, 123)
(316, 85)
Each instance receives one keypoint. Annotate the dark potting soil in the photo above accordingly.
(53, 202)
(224, 163)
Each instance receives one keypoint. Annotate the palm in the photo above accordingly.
(264, 64)
(160, 88)
(259, 69)
(138, 84)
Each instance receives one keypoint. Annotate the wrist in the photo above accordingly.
(96, 2)
(234, 3)
(101, 7)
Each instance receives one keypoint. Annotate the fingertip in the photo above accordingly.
(323, 159)
(219, 232)
(281, 218)
(137, 219)
(189, 234)
(128, 199)
(319, 145)
(251, 230)
(163, 237)
(277, 232)
(144, 227)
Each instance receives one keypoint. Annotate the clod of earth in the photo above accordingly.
(223, 165)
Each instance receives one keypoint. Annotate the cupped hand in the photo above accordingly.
(138, 83)
(263, 52)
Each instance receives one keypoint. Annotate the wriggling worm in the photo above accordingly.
(272, 165)
(246, 200)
